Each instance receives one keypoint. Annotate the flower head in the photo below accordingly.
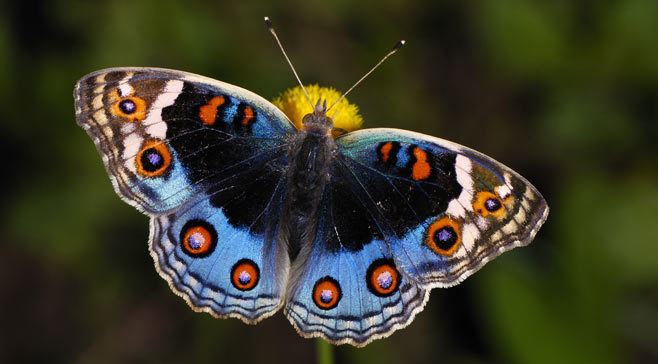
(294, 104)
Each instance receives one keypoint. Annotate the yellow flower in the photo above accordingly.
(293, 103)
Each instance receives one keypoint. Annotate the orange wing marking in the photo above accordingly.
(208, 112)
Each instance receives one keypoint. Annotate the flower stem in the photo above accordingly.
(325, 352)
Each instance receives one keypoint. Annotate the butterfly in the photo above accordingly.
(249, 214)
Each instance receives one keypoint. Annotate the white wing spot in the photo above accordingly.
(155, 127)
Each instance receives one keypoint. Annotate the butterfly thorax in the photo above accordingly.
(311, 155)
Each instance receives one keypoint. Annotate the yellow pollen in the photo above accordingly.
(294, 104)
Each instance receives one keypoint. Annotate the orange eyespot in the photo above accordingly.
(245, 275)
(326, 293)
(421, 168)
(382, 277)
(132, 108)
(153, 159)
(443, 236)
(489, 204)
(198, 238)
(208, 112)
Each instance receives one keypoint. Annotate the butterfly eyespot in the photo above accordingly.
(326, 293)
(127, 106)
(245, 275)
(492, 204)
(132, 108)
(383, 278)
(488, 204)
(208, 112)
(443, 236)
(153, 159)
(420, 169)
(198, 238)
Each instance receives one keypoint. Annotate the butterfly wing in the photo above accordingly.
(446, 209)
(404, 213)
(205, 160)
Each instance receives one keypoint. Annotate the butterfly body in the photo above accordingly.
(249, 214)
(310, 154)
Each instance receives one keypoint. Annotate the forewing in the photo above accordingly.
(164, 135)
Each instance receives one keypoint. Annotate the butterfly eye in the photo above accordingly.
(245, 275)
(153, 159)
(488, 204)
(326, 293)
(382, 277)
(198, 238)
(443, 236)
(132, 108)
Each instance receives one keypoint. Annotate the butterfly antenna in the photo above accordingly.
(270, 27)
(393, 50)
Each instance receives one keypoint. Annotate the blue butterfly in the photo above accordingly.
(250, 214)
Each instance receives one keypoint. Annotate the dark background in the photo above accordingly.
(564, 92)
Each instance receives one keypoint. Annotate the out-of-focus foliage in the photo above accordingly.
(565, 92)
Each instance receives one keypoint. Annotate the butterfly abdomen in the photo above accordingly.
(308, 174)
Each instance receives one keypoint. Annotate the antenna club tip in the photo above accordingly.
(268, 22)
(399, 45)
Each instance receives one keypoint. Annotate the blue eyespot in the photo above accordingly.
(492, 204)
(127, 106)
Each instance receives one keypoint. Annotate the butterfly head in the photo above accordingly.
(318, 122)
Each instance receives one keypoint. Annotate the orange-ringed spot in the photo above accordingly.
(421, 168)
(327, 293)
(198, 238)
(208, 112)
(153, 158)
(443, 236)
(245, 275)
(489, 204)
(132, 108)
(382, 278)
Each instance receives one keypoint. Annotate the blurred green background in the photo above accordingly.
(564, 92)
